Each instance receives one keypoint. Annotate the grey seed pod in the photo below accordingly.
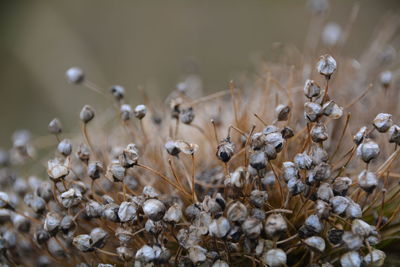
(219, 227)
(341, 186)
(56, 170)
(83, 243)
(107, 199)
(21, 223)
(287, 132)
(315, 243)
(303, 161)
(252, 227)
(98, 237)
(124, 236)
(140, 111)
(274, 258)
(313, 224)
(44, 190)
(361, 228)
(318, 155)
(275, 225)
(150, 192)
(110, 212)
(21, 139)
(268, 180)
(125, 112)
(187, 115)
(353, 210)
(322, 209)
(394, 134)
(331, 34)
(10, 239)
(65, 147)
(257, 141)
(295, 186)
(373, 240)
(220, 263)
(235, 233)
(335, 236)
(332, 110)
(127, 212)
(37, 204)
(164, 256)
(351, 259)
(95, 169)
(83, 153)
(312, 111)
(129, 156)
(154, 209)
(4, 200)
(367, 181)
(258, 160)
(326, 66)
(87, 114)
(197, 254)
(375, 258)
(41, 236)
(282, 112)
(192, 211)
(75, 75)
(258, 198)
(125, 254)
(276, 140)
(339, 204)
(117, 91)
(55, 126)
(173, 214)
(383, 122)
(352, 241)
(131, 182)
(258, 214)
(5, 216)
(80, 186)
(172, 148)
(321, 172)
(385, 78)
(145, 254)
(225, 150)
(270, 129)
(270, 152)
(67, 223)
(325, 192)
(153, 227)
(210, 205)
(358, 138)
(55, 249)
(319, 133)
(289, 171)
(116, 171)
(237, 212)
(71, 198)
(311, 89)
(52, 222)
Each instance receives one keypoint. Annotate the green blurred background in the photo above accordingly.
(149, 43)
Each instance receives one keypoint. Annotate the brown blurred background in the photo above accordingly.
(149, 43)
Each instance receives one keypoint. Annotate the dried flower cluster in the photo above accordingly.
(259, 175)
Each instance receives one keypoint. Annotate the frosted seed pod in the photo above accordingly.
(339, 204)
(127, 212)
(316, 243)
(150, 192)
(252, 227)
(219, 227)
(258, 160)
(367, 181)
(74, 75)
(318, 155)
(394, 134)
(140, 111)
(274, 258)
(311, 89)
(258, 198)
(351, 259)
(353, 210)
(275, 225)
(321, 172)
(225, 150)
(71, 198)
(326, 66)
(67, 223)
(55, 126)
(125, 254)
(129, 156)
(116, 171)
(52, 222)
(352, 241)
(56, 170)
(187, 115)
(361, 228)
(270, 152)
(87, 114)
(319, 133)
(375, 258)
(383, 122)
(98, 237)
(322, 209)
(197, 254)
(325, 192)
(65, 147)
(341, 186)
(275, 139)
(192, 211)
(117, 91)
(385, 78)
(95, 169)
(358, 138)
(237, 212)
(173, 214)
(312, 111)
(125, 112)
(110, 212)
(282, 112)
(82, 243)
(154, 209)
(83, 153)
(290, 171)
(287, 132)
(257, 141)
(303, 161)
(153, 227)
(332, 110)
(295, 186)
(331, 34)
(172, 148)
(313, 224)
(210, 205)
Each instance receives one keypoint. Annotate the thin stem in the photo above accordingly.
(342, 135)
(86, 137)
(215, 131)
(193, 179)
(231, 88)
(259, 118)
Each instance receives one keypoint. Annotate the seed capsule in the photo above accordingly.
(318, 155)
(125, 112)
(52, 222)
(173, 214)
(127, 212)
(55, 126)
(56, 170)
(311, 89)
(351, 259)
(187, 115)
(353, 210)
(237, 212)
(67, 223)
(325, 192)
(287, 132)
(319, 133)
(172, 148)
(140, 111)
(282, 112)
(341, 185)
(21, 223)
(117, 91)
(316, 243)
(352, 241)
(197, 254)
(154, 209)
(360, 135)
(258, 198)
(220, 263)
(129, 156)
(98, 237)
(71, 198)
(65, 147)
(83, 153)
(367, 181)
(225, 150)
(326, 66)
(41, 236)
(95, 169)
(295, 186)
(125, 254)
(375, 258)
(339, 204)
(332, 110)
(274, 258)
(94, 209)
(290, 171)
(383, 122)
(361, 228)
(321, 172)
(275, 139)
(331, 34)
(75, 75)
(275, 225)
(303, 161)
(252, 227)
(258, 160)
(219, 227)
(394, 134)
(82, 243)
(313, 224)
(116, 171)
(87, 114)
(385, 78)
(312, 111)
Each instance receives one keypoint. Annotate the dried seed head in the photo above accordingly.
(321, 172)
(287, 132)
(140, 111)
(172, 148)
(56, 170)
(192, 211)
(150, 192)
(274, 258)
(129, 156)
(187, 148)
(394, 134)
(331, 34)
(94, 209)
(311, 89)
(252, 227)
(341, 185)
(303, 161)
(375, 258)
(71, 198)
(258, 198)
(367, 181)
(127, 212)
(146, 254)
(289, 171)
(352, 241)
(65, 147)
(83, 243)
(98, 237)
(219, 227)
(275, 225)
(124, 236)
(52, 222)
(385, 78)
(117, 91)
(55, 126)
(383, 122)
(335, 236)
(339, 204)
(258, 160)
(154, 209)
(237, 212)
(95, 169)
(37, 204)
(75, 75)
(332, 110)
(326, 66)
(20, 223)
(358, 138)
(238, 178)
(225, 150)
(282, 112)
(315, 243)
(67, 223)
(116, 171)
(319, 133)
(44, 191)
(312, 111)
(187, 115)
(173, 214)
(87, 114)
(125, 112)
(325, 192)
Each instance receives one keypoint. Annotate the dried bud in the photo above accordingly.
(52, 222)
(368, 151)
(41, 236)
(352, 241)
(219, 227)
(319, 133)
(173, 214)
(275, 225)
(197, 254)
(296, 186)
(127, 212)
(252, 227)
(55, 126)
(67, 223)
(303, 161)
(110, 212)
(117, 91)
(65, 147)
(83, 153)
(129, 156)
(332, 110)
(87, 114)
(375, 258)
(187, 115)
(225, 150)
(360, 135)
(322, 209)
(258, 160)
(274, 139)
(21, 223)
(287, 132)
(98, 237)
(274, 258)
(237, 212)
(316, 243)
(383, 122)
(37, 204)
(75, 75)
(172, 148)
(394, 134)
(140, 111)
(326, 66)
(282, 112)
(353, 210)
(339, 204)
(321, 172)
(125, 254)
(318, 155)
(95, 169)
(312, 111)
(325, 192)
(124, 236)
(313, 224)
(83, 243)
(116, 171)
(154, 209)
(341, 185)
(385, 78)
(311, 89)
(258, 198)
(56, 170)
(361, 228)
(71, 198)
(125, 112)
(94, 209)
(289, 171)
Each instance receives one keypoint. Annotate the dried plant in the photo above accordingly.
(298, 165)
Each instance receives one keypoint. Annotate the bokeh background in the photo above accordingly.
(149, 43)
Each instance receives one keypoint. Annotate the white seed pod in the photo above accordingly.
(341, 186)
(67, 223)
(322, 209)
(358, 138)
(289, 171)
(95, 169)
(173, 214)
(210, 205)
(150, 192)
(313, 224)
(56, 170)
(367, 181)
(282, 112)
(352, 241)
(44, 190)
(351, 259)
(82, 243)
(225, 150)
(315, 243)
(331, 34)
(394, 134)
(110, 212)
(257, 141)
(52, 222)
(258, 160)
(318, 155)
(269, 179)
(20, 223)
(125, 254)
(98, 237)
(55, 126)
(332, 110)
(87, 114)
(154, 209)
(311, 89)
(172, 148)
(219, 227)
(353, 210)
(140, 111)
(385, 78)
(116, 171)
(197, 254)
(375, 258)
(258, 198)
(339, 204)
(312, 111)
(65, 147)
(124, 236)
(153, 227)
(274, 258)
(238, 178)
(275, 139)
(71, 198)
(117, 91)
(321, 172)
(325, 192)
(75, 75)
(296, 186)
(237, 212)
(187, 115)
(83, 153)
(252, 227)
(4, 200)
(326, 66)
(37, 203)
(127, 212)
(361, 228)
(275, 225)
(270, 129)
(125, 112)
(129, 156)
(319, 133)
(303, 161)
(220, 263)
(382, 122)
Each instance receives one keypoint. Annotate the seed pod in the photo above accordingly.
(318, 155)
(87, 114)
(52, 222)
(116, 171)
(117, 91)
(325, 192)
(270, 152)
(394, 134)
(275, 139)
(82, 243)
(311, 89)
(375, 258)
(312, 111)
(75, 75)
(83, 153)
(326, 66)
(339, 204)
(37, 204)
(95, 169)
(127, 212)
(94, 209)
(315, 243)
(282, 112)
(145, 254)
(321, 172)
(258, 160)
(71, 198)
(313, 224)
(187, 115)
(383, 122)
(353, 210)
(124, 236)
(296, 186)
(150, 192)
(289, 171)
(237, 212)
(319, 133)
(252, 227)
(335, 236)
(303, 161)
(275, 225)
(129, 156)
(270, 129)
(287, 132)
(154, 209)
(331, 34)
(125, 112)
(140, 111)
(55, 126)
(44, 191)
(98, 237)
(361, 228)
(332, 110)
(197, 254)
(274, 258)
(322, 209)
(56, 170)
(258, 198)
(110, 212)
(4, 200)
(172, 148)
(21, 223)
(125, 254)
(210, 205)
(67, 223)
(220, 263)
(65, 147)
(225, 150)
(385, 78)
(173, 214)
(41, 236)
(352, 241)
(367, 181)
(341, 185)
(192, 211)
(219, 227)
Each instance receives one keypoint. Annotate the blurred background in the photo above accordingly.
(149, 43)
